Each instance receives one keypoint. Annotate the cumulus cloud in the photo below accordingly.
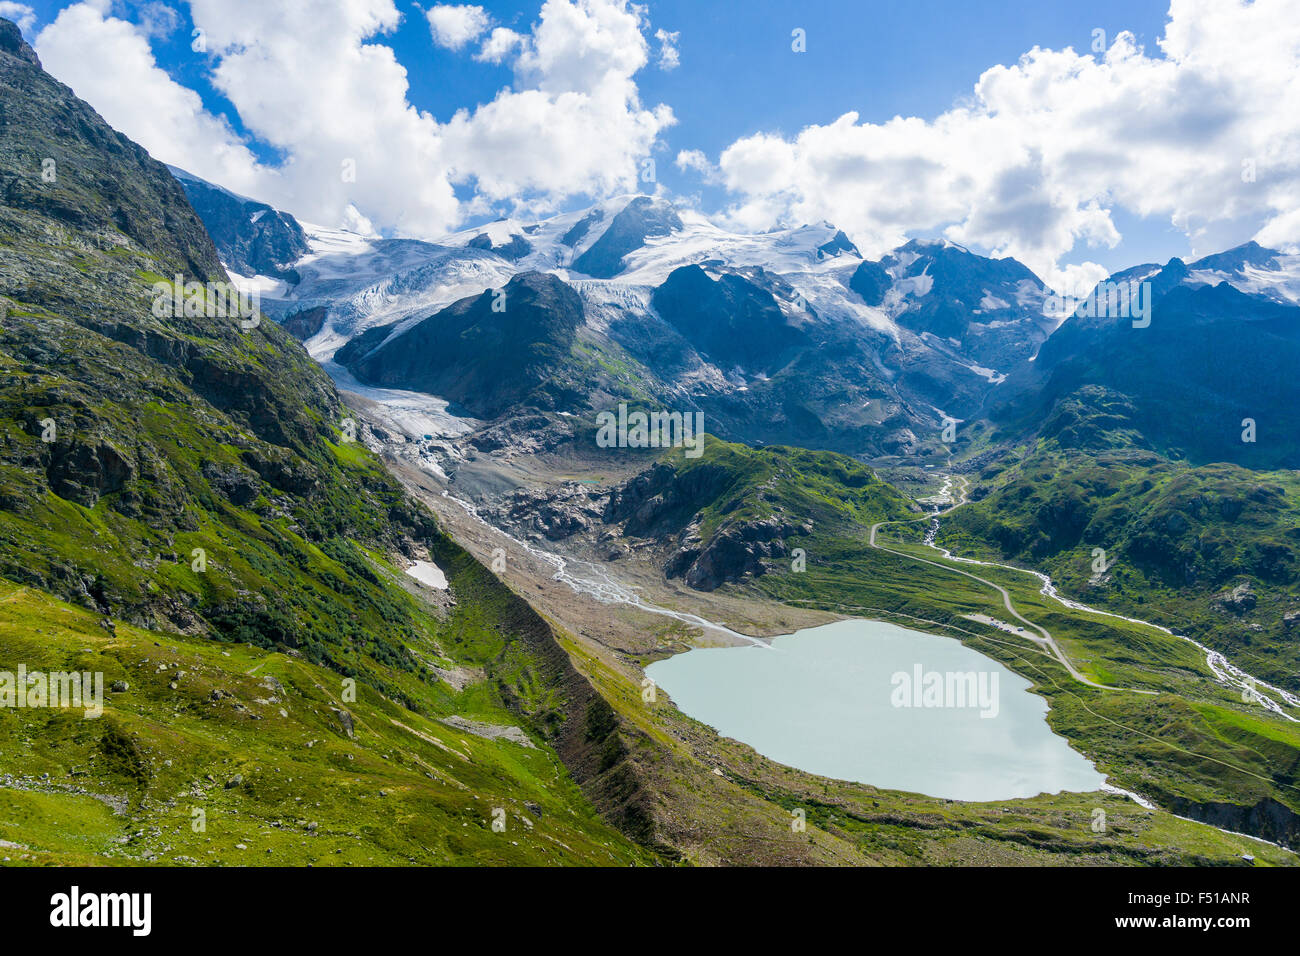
(454, 26)
(158, 20)
(501, 42)
(694, 160)
(669, 56)
(19, 13)
(574, 111)
(108, 62)
(326, 94)
(1033, 165)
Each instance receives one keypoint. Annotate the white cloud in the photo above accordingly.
(575, 111)
(694, 160)
(325, 93)
(1046, 148)
(501, 42)
(581, 45)
(456, 26)
(19, 13)
(669, 56)
(158, 20)
(108, 62)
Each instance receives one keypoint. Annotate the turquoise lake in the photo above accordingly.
(830, 700)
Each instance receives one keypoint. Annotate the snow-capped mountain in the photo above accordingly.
(785, 336)
(1207, 371)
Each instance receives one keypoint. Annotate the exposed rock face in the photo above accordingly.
(664, 505)
(237, 486)
(731, 321)
(732, 554)
(1267, 819)
(303, 325)
(580, 228)
(252, 237)
(1239, 600)
(871, 281)
(514, 250)
(657, 503)
(553, 515)
(839, 245)
(641, 219)
(487, 353)
(83, 473)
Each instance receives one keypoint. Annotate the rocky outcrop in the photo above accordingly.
(1268, 819)
(554, 515)
(487, 353)
(303, 325)
(731, 320)
(238, 487)
(659, 501)
(732, 554)
(1239, 600)
(514, 250)
(83, 472)
(664, 505)
(252, 237)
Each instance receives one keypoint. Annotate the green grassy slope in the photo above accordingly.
(1193, 746)
(1178, 539)
(188, 482)
(1177, 542)
(283, 767)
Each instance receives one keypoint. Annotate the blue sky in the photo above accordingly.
(737, 85)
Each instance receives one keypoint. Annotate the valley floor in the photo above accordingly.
(719, 802)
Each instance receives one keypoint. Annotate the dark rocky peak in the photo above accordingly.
(956, 270)
(514, 250)
(838, 245)
(1236, 259)
(486, 352)
(871, 281)
(252, 237)
(732, 319)
(12, 43)
(643, 218)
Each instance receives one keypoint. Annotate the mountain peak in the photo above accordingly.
(644, 217)
(12, 42)
(1237, 258)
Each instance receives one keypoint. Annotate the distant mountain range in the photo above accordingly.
(783, 337)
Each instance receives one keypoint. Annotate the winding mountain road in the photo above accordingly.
(1046, 640)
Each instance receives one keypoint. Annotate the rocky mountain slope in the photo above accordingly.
(190, 482)
(253, 238)
(776, 338)
(1217, 355)
(486, 353)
